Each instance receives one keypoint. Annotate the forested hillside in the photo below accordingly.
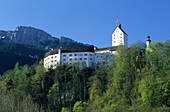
(11, 53)
(136, 80)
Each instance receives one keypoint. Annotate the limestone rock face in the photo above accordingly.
(65, 39)
(31, 36)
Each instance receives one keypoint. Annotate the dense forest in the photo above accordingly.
(11, 53)
(136, 80)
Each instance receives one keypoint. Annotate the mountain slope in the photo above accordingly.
(27, 45)
(35, 37)
(11, 53)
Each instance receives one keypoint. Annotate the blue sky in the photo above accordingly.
(90, 21)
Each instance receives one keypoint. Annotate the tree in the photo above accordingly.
(79, 106)
(65, 110)
(155, 82)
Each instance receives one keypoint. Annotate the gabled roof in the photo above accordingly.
(123, 30)
(55, 51)
(120, 29)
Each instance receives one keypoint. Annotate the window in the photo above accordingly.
(70, 59)
(80, 58)
(75, 54)
(75, 59)
(101, 56)
(51, 61)
(121, 41)
(114, 41)
(85, 54)
(97, 56)
(114, 38)
(64, 59)
(91, 55)
(85, 58)
(55, 60)
(120, 33)
(120, 37)
(70, 55)
(70, 63)
(64, 55)
(51, 57)
(55, 56)
(90, 58)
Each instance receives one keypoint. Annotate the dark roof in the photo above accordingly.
(148, 38)
(55, 51)
(122, 29)
(78, 49)
(73, 49)
(113, 48)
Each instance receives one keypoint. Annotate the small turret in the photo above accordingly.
(148, 42)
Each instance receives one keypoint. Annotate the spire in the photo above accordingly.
(117, 21)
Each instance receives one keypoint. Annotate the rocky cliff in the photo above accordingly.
(35, 37)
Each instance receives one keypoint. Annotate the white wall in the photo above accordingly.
(51, 61)
(87, 58)
(103, 58)
(83, 59)
(118, 38)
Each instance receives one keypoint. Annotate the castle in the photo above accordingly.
(86, 56)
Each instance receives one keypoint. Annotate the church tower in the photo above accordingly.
(119, 36)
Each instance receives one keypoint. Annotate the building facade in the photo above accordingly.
(81, 56)
(86, 56)
(119, 37)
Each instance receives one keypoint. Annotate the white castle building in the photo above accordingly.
(86, 56)
(119, 37)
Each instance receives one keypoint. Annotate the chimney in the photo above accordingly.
(120, 26)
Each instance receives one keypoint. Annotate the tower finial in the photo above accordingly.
(117, 21)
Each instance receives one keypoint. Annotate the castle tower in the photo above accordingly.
(119, 36)
(148, 42)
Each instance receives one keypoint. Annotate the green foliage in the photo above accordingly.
(136, 80)
(65, 109)
(154, 86)
(79, 106)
